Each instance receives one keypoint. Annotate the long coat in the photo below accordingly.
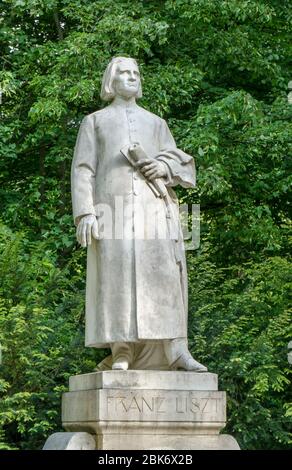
(136, 288)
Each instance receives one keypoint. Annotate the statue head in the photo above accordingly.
(121, 77)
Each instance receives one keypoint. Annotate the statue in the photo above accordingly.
(147, 394)
(125, 165)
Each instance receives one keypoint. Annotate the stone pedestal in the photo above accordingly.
(147, 410)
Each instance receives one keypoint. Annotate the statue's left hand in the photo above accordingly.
(87, 226)
(151, 168)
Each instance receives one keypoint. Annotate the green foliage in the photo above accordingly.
(218, 72)
(41, 336)
(242, 332)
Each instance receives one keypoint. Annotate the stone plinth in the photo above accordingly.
(148, 410)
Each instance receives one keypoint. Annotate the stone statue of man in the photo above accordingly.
(136, 288)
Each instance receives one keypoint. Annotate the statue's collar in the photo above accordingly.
(121, 104)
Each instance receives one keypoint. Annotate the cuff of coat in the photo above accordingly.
(178, 173)
(77, 218)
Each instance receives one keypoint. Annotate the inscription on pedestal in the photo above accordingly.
(122, 404)
(144, 405)
(154, 405)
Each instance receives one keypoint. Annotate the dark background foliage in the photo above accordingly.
(218, 72)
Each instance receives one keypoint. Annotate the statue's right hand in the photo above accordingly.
(87, 226)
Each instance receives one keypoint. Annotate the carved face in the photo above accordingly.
(127, 79)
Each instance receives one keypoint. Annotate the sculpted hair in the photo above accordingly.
(107, 89)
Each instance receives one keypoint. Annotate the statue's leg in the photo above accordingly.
(149, 355)
(122, 354)
(179, 357)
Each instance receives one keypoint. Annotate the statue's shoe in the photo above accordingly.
(121, 364)
(187, 362)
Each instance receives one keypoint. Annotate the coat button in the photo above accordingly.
(135, 192)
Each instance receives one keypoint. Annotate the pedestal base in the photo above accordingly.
(147, 410)
(167, 442)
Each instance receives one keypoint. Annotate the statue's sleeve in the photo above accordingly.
(83, 170)
(180, 166)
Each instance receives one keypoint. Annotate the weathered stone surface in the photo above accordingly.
(144, 405)
(147, 379)
(70, 441)
(167, 442)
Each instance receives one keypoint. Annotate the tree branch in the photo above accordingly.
(58, 25)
